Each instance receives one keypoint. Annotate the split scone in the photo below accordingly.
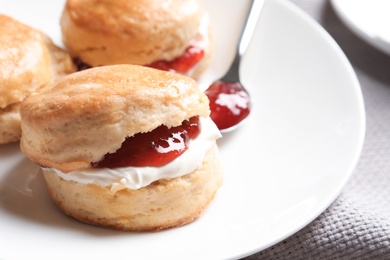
(29, 60)
(124, 146)
(169, 35)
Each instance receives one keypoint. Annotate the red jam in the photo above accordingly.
(80, 65)
(155, 148)
(229, 104)
(182, 64)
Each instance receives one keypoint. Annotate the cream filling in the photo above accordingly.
(201, 41)
(137, 177)
(202, 38)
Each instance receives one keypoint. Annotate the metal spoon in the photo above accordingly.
(227, 95)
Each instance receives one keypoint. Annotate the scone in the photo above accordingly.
(124, 146)
(170, 35)
(29, 60)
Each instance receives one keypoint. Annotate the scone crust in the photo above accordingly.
(160, 205)
(131, 32)
(29, 60)
(25, 63)
(87, 114)
(61, 62)
(10, 130)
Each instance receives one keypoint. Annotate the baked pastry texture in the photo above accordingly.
(29, 60)
(76, 122)
(141, 32)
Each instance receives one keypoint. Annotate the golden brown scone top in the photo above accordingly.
(25, 63)
(104, 32)
(85, 115)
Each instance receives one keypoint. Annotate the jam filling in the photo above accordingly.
(229, 104)
(155, 148)
(182, 64)
(81, 65)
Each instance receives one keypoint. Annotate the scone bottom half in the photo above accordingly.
(79, 125)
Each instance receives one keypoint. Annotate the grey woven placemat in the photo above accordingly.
(357, 224)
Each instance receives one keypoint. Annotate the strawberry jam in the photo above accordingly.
(80, 65)
(229, 104)
(155, 148)
(182, 64)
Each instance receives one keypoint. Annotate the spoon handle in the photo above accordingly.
(249, 26)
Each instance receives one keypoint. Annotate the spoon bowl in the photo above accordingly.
(230, 101)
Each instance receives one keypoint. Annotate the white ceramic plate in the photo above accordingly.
(282, 169)
(369, 19)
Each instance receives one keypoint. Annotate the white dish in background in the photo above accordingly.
(369, 20)
(282, 169)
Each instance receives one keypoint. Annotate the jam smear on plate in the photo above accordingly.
(155, 148)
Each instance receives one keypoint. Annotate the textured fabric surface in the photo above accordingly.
(357, 224)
